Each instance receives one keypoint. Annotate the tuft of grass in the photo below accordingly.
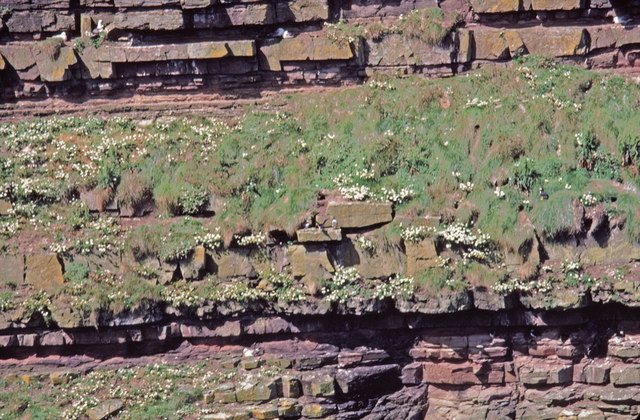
(134, 190)
(431, 25)
(554, 218)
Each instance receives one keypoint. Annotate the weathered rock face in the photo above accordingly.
(178, 45)
(44, 272)
(476, 364)
(358, 215)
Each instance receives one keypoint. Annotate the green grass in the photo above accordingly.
(474, 149)
(432, 26)
(554, 218)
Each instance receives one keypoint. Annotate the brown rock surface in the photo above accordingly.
(44, 272)
(358, 214)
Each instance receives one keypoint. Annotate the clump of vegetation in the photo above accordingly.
(432, 26)
(134, 190)
(436, 148)
(172, 241)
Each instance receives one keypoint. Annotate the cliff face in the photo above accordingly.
(524, 364)
(115, 46)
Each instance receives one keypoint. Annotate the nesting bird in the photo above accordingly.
(282, 33)
(543, 194)
(61, 35)
(334, 223)
(307, 223)
(621, 20)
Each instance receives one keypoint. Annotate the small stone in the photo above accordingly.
(6, 208)
(290, 387)
(12, 269)
(319, 235)
(193, 267)
(264, 413)
(316, 411)
(104, 410)
(58, 378)
(289, 408)
(495, 6)
(225, 397)
(412, 373)
(596, 374)
(250, 364)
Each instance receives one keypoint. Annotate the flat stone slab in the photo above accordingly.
(319, 235)
(105, 410)
(356, 214)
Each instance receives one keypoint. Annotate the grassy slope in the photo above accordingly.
(473, 149)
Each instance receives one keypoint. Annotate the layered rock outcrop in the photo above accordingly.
(164, 45)
(522, 364)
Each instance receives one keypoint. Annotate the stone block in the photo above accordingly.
(53, 60)
(265, 390)
(318, 385)
(193, 268)
(400, 50)
(235, 15)
(234, 263)
(380, 262)
(197, 4)
(316, 411)
(491, 44)
(412, 374)
(58, 378)
(291, 387)
(310, 261)
(152, 20)
(145, 3)
(104, 410)
(302, 11)
(495, 6)
(557, 4)
(450, 373)
(358, 215)
(18, 57)
(40, 21)
(466, 46)
(44, 272)
(420, 256)
(207, 50)
(556, 41)
(150, 53)
(367, 381)
(624, 347)
(12, 269)
(541, 373)
(250, 364)
(289, 407)
(36, 4)
(612, 395)
(264, 413)
(624, 374)
(303, 49)
(596, 374)
(319, 235)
